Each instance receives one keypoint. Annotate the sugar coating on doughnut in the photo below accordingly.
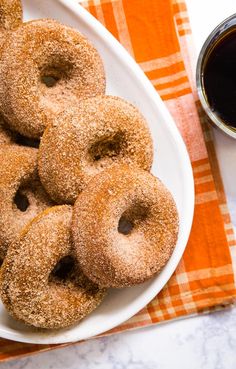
(30, 291)
(89, 138)
(45, 68)
(3, 38)
(10, 14)
(19, 186)
(6, 136)
(115, 258)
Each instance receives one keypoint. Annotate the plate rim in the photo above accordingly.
(102, 32)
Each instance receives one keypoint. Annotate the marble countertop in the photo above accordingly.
(203, 342)
(207, 341)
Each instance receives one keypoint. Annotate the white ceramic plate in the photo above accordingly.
(171, 164)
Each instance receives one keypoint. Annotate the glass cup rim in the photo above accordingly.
(216, 34)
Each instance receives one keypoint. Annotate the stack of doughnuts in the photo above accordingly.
(80, 210)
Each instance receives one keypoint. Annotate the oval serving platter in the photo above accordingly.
(171, 165)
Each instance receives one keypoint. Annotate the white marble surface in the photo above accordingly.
(202, 342)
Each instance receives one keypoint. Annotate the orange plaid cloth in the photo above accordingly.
(158, 35)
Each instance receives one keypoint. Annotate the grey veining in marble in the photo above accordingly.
(203, 342)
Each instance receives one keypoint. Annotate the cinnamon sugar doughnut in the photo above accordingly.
(46, 67)
(33, 288)
(10, 14)
(125, 227)
(21, 195)
(87, 139)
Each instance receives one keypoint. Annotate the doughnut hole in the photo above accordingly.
(56, 72)
(132, 218)
(63, 270)
(108, 147)
(54, 79)
(21, 200)
(27, 198)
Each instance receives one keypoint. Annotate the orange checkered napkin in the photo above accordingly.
(158, 35)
